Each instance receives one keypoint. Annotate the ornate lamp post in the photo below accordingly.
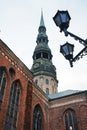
(62, 20)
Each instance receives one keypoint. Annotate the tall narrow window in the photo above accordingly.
(47, 81)
(47, 91)
(36, 81)
(2, 84)
(37, 118)
(11, 119)
(71, 120)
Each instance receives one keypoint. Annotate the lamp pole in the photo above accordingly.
(62, 20)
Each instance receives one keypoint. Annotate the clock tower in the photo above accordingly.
(43, 69)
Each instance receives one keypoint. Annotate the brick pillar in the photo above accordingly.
(27, 120)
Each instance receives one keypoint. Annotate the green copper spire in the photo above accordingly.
(42, 20)
(43, 67)
(42, 53)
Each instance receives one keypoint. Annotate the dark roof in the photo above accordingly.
(64, 94)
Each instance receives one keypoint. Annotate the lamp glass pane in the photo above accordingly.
(57, 20)
(63, 17)
(65, 50)
(71, 49)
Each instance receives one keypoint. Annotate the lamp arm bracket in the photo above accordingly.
(82, 53)
(82, 41)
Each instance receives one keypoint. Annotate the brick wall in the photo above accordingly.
(31, 95)
(58, 107)
(39, 98)
(9, 60)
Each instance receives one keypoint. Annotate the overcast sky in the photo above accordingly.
(19, 22)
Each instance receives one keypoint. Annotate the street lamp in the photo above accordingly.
(70, 127)
(67, 50)
(62, 20)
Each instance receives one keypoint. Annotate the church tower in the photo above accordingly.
(43, 69)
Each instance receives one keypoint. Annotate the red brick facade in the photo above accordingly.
(53, 110)
(74, 103)
(9, 60)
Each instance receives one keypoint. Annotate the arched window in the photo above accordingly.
(70, 120)
(12, 112)
(12, 72)
(37, 118)
(45, 55)
(2, 84)
(53, 89)
(36, 81)
(47, 91)
(47, 81)
(38, 55)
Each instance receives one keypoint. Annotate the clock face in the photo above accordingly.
(36, 65)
